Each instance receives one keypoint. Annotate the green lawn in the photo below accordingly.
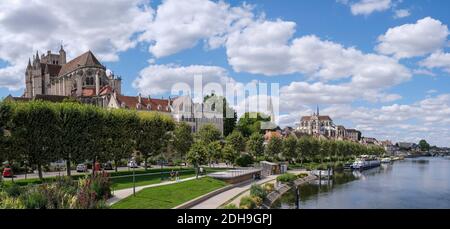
(127, 182)
(169, 196)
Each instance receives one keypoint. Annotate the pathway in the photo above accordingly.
(239, 191)
(124, 193)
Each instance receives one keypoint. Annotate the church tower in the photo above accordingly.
(62, 56)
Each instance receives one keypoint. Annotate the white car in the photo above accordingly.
(81, 168)
(132, 164)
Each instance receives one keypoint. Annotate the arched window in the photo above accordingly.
(138, 106)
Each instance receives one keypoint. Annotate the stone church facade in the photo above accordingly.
(82, 77)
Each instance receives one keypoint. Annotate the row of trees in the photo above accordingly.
(41, 132)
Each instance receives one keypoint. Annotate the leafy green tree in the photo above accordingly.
(70, 139)
(182, 139)
(255, 144)
(153, 134)
(237, 141)
(197, 155)
(229, 154)
(315, 147)
(229, 114)
(208, 133)
(303, 148)
(250, 123)
(214, 151)
(424, 146)
(121, 130)
(34, 130)
(290, 148)
(274, 147)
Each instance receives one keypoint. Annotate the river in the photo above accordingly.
(412, 183)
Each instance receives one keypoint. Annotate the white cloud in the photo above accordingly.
(402, 13)
(410, 40)
(159, 79)
(437, 60)
(106, 28)
(180, 25)
(366, 7)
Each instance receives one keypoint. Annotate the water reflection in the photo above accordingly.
(412, 183)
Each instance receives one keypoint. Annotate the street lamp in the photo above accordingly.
(134, 175)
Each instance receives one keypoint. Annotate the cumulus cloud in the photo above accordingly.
(437, 60)
(106, 28)
(410, 40)
(180, 25)
(402, 13)
(367, 7)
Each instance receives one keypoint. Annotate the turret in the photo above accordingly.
(37, 60)
(62, 56)
(29, 64)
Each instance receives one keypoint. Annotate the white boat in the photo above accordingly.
(365, 163)
(386, 160)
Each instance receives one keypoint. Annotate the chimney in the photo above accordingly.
(139, 98)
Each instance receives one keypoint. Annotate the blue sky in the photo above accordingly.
(358, 68)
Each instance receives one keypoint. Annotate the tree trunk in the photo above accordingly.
(145, 163)
(68, 167)
(116, 165)
(197, 171)
(39, 168)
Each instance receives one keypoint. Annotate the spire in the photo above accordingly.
(37, 56)
(317, 110)
(29, 64)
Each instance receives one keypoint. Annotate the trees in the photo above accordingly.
(424, 146)
(197, 155)
(208, 133)
(121, 127)
(290, 148)
(182, 139)
(303, 148)
(153, 134)
(274, 147)
(255, 144)
(34, 131)
(250, 123)
(229, 114)
(70, 116)
(214, 150)
(229, 154)
(237, 141)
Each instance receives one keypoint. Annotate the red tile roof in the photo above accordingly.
(131, 102)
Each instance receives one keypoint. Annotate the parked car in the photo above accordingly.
(132, 164)
(7, 172)
(107, 166)
(81, 168)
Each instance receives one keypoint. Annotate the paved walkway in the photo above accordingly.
(239, 191)
(124, 193)
(218, 200)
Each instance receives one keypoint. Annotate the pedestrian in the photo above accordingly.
(176, 176)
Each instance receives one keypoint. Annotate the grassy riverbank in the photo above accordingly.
(169, 196)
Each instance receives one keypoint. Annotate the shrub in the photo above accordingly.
(247, 202)
(230, 206)
(257, 191)
(269, 187)
(101, 185)
(13, 190)
(7, 202)
(244, 160)
(302, 175)
(286, 178)
(34, 199)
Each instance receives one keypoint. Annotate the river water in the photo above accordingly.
(412, 183)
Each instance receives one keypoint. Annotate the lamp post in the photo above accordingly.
(134, 176)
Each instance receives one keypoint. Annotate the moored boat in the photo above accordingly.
(386, 160)
(366, 162)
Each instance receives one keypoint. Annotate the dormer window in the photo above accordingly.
(138, 106)
(149, 107)
(159, 107)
